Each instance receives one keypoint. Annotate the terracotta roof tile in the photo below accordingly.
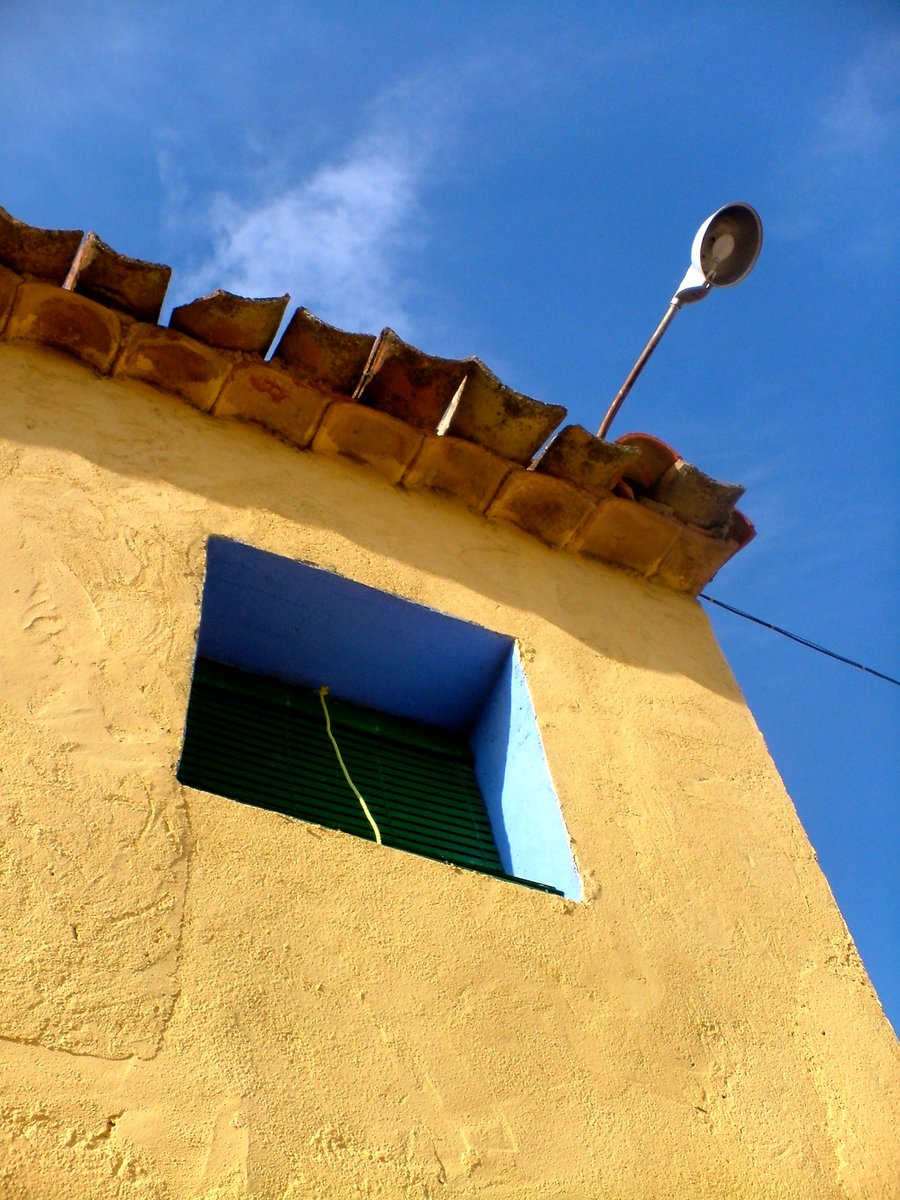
(741, 529)
(657, 473)
(697, 498)
(488, 412)
(275, 399)
(43, 312)
(443, 425)
(409, 384)
(130, 285)
(175, 362)
(231, 322)
(693, 559)
(459, 469)
(323, 353)
(368, 436)
(586, 460)
(650, 460)
(9, 281)
(551, 509)
(37, 253)
(628, 534)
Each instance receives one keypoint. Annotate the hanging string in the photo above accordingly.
(323, 691)
(794, 637)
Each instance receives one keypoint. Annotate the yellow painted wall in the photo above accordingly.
(201, 999)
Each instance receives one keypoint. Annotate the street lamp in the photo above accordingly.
(725, 250)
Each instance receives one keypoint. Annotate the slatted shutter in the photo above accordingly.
(265, 743)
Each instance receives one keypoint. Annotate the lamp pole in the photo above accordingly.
(724, 252)
(626, 387)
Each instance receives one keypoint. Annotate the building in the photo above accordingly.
(207, 999)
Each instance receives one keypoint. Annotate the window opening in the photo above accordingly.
(421, 704)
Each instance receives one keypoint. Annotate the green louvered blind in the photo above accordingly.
(265, 743)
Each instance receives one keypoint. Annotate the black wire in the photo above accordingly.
(796, 638)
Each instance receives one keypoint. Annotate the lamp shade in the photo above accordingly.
(727, 245)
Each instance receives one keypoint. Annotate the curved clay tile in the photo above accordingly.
(408, 384)
(550, 509)
(47, 313)
(697, 498)
(174, 362)
(494, 416)
(131, 285)
(45, 254)
(324, 353)
(650, 463)
(231, 322)
(585, 459)
(662, 475)
(741, 529)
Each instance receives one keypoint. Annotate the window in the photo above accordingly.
(266, 743)
(431, 716)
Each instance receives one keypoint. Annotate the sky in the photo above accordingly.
(522, 182)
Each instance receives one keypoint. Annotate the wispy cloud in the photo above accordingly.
(862, 120)
(347, 234)
(845, 176)
(343, 236)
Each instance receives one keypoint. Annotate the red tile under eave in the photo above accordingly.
(43, 312)
(459, 469)
(550, 509)
(368, 436)
(406, 383)
(627, 534)
(174, 362)
(273, 398)
(693, 559)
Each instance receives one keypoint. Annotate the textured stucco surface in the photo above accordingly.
(204, 1000)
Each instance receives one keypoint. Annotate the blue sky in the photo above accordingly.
(523, 182)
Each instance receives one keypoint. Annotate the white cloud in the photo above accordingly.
(863, 118)
(341, 239)
(845, 176)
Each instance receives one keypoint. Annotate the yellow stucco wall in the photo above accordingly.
(201, 999)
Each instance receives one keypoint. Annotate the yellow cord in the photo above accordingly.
(322, 693)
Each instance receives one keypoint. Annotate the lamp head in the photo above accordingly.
(725, 250)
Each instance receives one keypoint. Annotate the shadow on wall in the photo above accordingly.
(133, 430)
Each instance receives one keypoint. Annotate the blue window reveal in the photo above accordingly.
(431, 714)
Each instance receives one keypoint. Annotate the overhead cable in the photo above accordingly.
(802, 640)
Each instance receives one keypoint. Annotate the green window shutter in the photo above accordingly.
(265, 743)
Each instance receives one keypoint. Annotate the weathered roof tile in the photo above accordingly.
(657, 471)
(323, 353)
(628, 534)
(444, 425)
(131, 285)
(459, 469)
(274, 399)
(410, 385)
(697, 498)
(44, 254)
(175, 362)
(585, 459)
(231, 322)
(494, 416)
(43, 312)
(693, 559)
(9, 281)
(368, 436)
(551, 509)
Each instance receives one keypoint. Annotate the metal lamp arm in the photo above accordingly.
(626, 387)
